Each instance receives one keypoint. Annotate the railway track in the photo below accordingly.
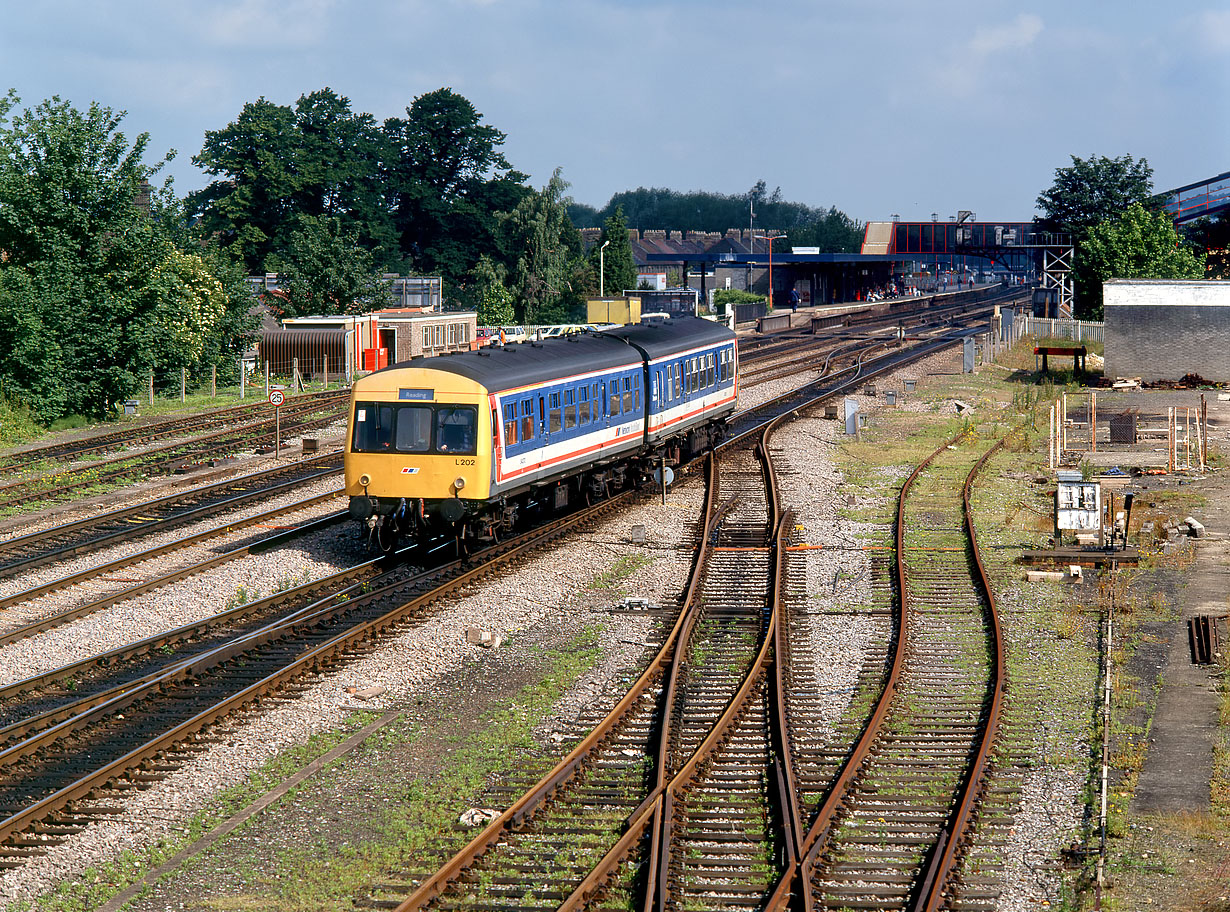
(734, 815)
(73, 539)
(889, 832)
(674, 802)
(77, 738)
(71, 450)
(23, 494)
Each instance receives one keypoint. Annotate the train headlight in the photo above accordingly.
(459, 484)
(365, 480)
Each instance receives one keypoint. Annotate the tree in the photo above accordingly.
(446, 178)
(93, 290)
(1138, 244)
(338, 168)
(1092, 191)
(542, 244)
(251, 207)
(325, 271)
(494, 300)
(277, 163)
(618, 265)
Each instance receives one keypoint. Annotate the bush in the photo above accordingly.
(724, 296)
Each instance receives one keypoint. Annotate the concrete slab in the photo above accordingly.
(1179, 762)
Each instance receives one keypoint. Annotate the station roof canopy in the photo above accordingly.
(762, 258)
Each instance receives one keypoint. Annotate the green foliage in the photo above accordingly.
(544, 247)
(492, 299)
(1137, 244)
(446, 179)
(99, 284)
(831, 230)
(251, 206)
(417, 192)
(1092, 191)
(732, 296)
(618, 265)
(326, 271)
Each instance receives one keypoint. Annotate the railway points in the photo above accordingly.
(857, 569)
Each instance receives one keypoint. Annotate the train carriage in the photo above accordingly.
(474, 439)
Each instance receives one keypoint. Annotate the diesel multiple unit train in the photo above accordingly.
(469, 443)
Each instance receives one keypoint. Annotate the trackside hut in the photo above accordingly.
(1166, 329)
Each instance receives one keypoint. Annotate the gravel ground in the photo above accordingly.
(246, 462)
(59, 600)
(534, 602)
(530, 604)
(188, 600)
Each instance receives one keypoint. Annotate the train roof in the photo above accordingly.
(659, 340)
(498, 368)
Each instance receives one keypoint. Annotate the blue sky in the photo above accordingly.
(874, 106)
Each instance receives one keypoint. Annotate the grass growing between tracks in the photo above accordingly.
(1044, 747)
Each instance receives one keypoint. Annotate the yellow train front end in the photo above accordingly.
(418, 450)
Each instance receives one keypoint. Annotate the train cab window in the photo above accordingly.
(456, 429)
(583, 413)
(628, 406)
(413, 433)
(510, 423)
(373, 427)
(570, 409)
(527, 419)
(554, 422)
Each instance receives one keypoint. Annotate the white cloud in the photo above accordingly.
(1213, 27)
(275, 24)
(1021, 32)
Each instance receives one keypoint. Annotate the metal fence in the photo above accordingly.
(1044, 328)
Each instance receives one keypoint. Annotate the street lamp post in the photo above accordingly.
(769, 238)
(602, 270)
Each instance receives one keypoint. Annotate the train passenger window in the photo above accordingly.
(527, 419)
(596, 395)
(455, 429)
(510, 423)
(614, 398)
(414, 429)
(709, 369)
(584, 415)
(570, 409)
(628, 406)
(553, 413)
(725, 365)
(675, 370)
